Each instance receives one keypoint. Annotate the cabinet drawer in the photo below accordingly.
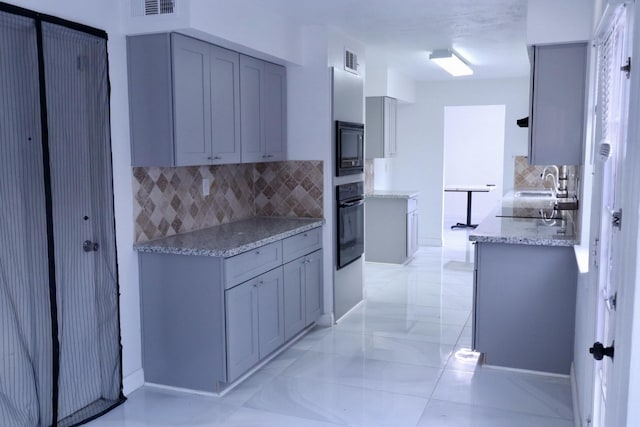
(301, 244)
(252, 263)
(412, 205)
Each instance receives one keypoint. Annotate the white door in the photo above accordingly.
(607, 240)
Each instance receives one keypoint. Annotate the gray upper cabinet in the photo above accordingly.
(381, 127)
(263, 110)
(184, 99)
(192, 100)
(556, 117)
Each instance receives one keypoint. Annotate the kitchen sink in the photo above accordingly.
(535, 193)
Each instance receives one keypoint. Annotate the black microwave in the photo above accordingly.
(349, 148)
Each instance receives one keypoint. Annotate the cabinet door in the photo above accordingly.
(313, 286)
(225, 106)
(192, 100)
(251, 110)
(412, 233)
(389, 127)
(275, 112)
(294, 297)
(270, 311)
(241, 305)
(557, 111)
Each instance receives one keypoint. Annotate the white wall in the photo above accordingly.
(419, 164)
(553, 21)
(385, 81)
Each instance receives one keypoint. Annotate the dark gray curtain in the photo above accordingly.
(73, 260)
(25, 317)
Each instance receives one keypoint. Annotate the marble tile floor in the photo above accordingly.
(401, 358)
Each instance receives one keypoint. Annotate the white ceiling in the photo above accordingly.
(489, 34)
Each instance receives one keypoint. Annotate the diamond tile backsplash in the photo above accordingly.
(168, 201)
(527, 177)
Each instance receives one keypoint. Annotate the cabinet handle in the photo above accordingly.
(257, 252)
(214, 158)
(267, 156)
(306, 235)
(255, 285)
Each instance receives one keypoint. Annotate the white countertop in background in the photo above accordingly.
(394, 194)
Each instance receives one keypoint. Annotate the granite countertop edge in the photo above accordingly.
(166, 246)
(519, 240)
(519, 231)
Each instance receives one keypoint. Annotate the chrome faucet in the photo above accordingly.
(554, 178)
(559, 180)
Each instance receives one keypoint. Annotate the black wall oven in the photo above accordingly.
(350, 198)
(349, 148)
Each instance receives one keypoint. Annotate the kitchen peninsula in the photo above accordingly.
(525, 287)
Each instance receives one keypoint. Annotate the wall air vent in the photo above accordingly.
(153, 7)
(351, 61)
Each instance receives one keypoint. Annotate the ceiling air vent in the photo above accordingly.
(351, 61)
(153, 7)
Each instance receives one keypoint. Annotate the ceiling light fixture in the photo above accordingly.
(449, 61)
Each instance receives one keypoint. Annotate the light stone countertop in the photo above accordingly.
(525, 231)
(230, 239)
(393, 194)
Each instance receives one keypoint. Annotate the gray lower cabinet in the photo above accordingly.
(254, 320)
(184, 99)
(391, 229)
(556, 117)
(207, 320)
(524, 306)
(302, 293)
(263, 110)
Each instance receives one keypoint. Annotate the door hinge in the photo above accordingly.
(616, 219)
(626, 68)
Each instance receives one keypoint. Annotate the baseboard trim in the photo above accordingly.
(133, 381)
(350, 310)
(526, 371)
(577, 413)
(431, 242)
(325, 320)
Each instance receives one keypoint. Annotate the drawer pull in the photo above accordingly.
(257, 252)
